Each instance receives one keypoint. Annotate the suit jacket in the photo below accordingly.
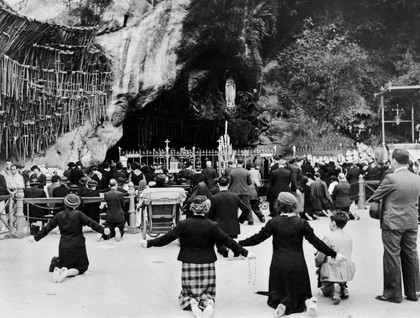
(209, 175)
(341, 195)
(197, 236)
(224, 210)
(36, 211)
(279, 182)
(296, 176)
(240, 179)
(400, 193)
(60, 192)
(92, 210)
(115, 202)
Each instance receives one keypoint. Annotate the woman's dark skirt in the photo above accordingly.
(290, 288)
(198, 282)
(74, 257)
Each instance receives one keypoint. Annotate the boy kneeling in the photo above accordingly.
(332, 275)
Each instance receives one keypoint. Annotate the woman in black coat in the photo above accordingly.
(289, 289)
(72, 254)
(197, 236)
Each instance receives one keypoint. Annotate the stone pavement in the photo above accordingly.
(125, 280)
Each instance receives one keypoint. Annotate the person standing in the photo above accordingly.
(14, 180)
(279, 182)
(296, 176)
(224, 210)
(197, 236)
(240, 179)
(353, 178)
(210, 176)
(289, 288)
(3, 191)
(399, 192)
(341, 196)
(256, 175)
(72, 254)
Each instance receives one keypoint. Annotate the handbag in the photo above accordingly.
(375, 210)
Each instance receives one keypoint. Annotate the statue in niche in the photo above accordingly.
(230, 92)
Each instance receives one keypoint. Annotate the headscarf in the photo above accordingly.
(200, 204)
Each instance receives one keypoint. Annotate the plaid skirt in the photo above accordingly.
(199, 283)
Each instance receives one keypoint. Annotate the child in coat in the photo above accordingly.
(333, 276)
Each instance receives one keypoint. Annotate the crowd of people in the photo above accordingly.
(298, 193)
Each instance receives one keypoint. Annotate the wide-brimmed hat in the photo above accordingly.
(72, 201)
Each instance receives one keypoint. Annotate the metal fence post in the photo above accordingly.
(132, 228)
(362, 194)
(20, 216)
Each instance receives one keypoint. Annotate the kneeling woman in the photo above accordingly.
(72, 254)
(197, 236)
(289, 288)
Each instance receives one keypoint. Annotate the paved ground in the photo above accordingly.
(125, 280)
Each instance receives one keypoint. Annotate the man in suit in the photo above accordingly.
(115, 219)
(92, 210)
(353, 178)
(210, 174)
(279, 182)
(60, 192)
(399, 192)
(296, 176)
(240, 179)
(224, 210)
(38, 211)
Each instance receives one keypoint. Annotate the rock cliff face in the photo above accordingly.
(305, 73)
(155, 48)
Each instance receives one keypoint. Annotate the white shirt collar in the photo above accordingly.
(400, 169)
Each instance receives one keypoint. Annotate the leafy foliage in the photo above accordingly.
(327, 75)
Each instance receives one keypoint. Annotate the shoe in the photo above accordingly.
(117, 234)
(412, 298)
(280, 310)
(56, 275)
(262, 220)
(195, 309)
(336, 294)
(55, 262)
(384, 298)
(208, 311)
(344, 293)
(311, 307)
